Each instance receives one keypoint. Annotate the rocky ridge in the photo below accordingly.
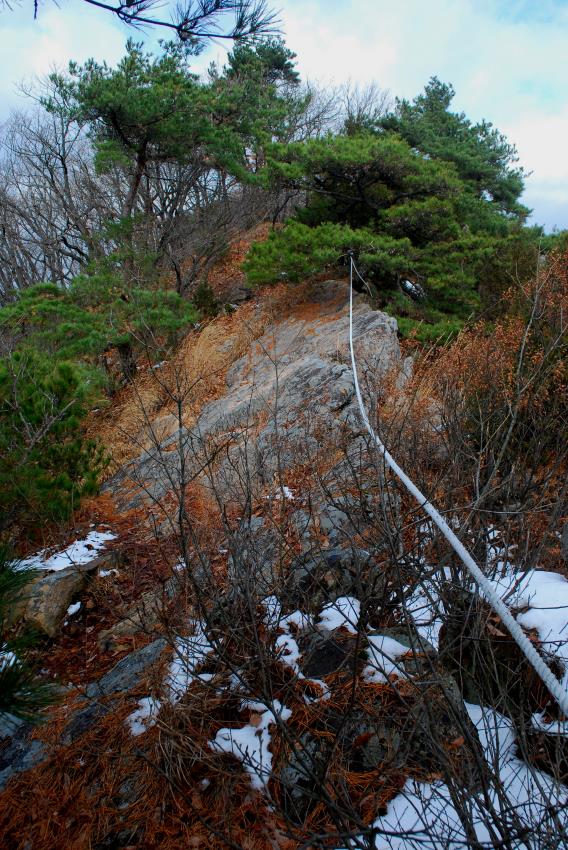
(303, 586)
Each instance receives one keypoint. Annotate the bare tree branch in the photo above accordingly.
(193, 20)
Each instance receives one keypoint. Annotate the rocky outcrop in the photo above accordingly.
(142, 618)
(45, 600)
(49, 597)
(296, 379)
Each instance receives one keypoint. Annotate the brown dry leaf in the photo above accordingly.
(200, 840)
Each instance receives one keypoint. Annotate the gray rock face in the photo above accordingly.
(84, 720)
(46, 598)
(323, 654)
(254, 556)
(296, 377)
(20, 755)
(301, 776)
(321, 576)
(127, 673)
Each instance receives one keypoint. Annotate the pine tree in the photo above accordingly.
(425, 197)
(46, 465)
(484, 159)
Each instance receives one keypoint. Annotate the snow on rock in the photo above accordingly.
(344, 612)
(79, 552)
(551, 727)
(189, 654)
(289, 653)
(427, 608)
(423, 817)
(286, 493)
(301, 621)
(144, 716)
(275, 619)
(273, 610)
(251, 743)
(383, 653)
(73, 609)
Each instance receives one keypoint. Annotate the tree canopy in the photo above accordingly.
(484, 159)
(420, 194)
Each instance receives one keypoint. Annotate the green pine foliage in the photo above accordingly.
(22, 696)
(484, 159)
(300, 251)
(97, 313)
(425, 196)
(146, 109)
(205, 301)
(45, 463)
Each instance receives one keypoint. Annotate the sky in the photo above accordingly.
(505, 58)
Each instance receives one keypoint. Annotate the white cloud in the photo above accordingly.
(32, 49)
(542, 140)
(504, 57)
(506, 61)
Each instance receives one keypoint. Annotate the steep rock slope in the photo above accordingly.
(295, 380)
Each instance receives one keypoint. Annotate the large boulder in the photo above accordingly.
(49, 597)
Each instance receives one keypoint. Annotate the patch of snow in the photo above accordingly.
(551, 727)
(286, 493)
(251, 743)
(423, 817)
(105, 573)
(325, 691)
(7, 658)
(273, 609)
(545, 595)
(345, 611)
(425, 606)
(189, 654)
(73, 609)
(383, 653)
(144, 716)
(79, 552)
(289, 653)
(298, 619)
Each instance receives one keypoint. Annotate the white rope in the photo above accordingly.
(554, 686)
